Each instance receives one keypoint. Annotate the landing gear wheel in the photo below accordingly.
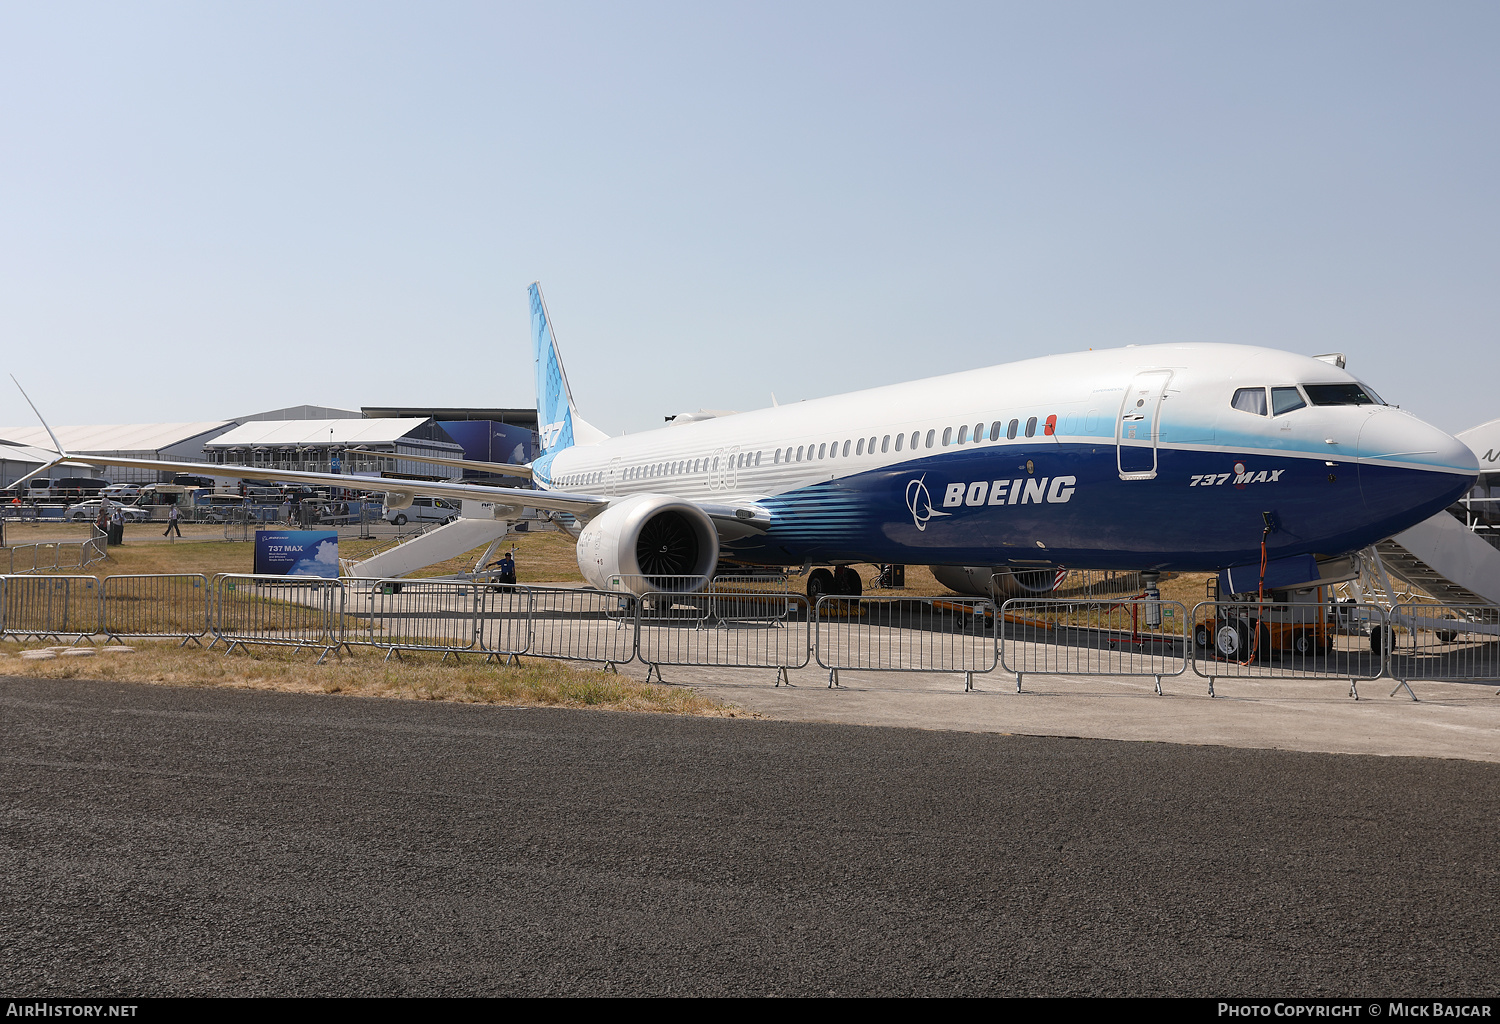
(1232, 641)
(847, 582)
(819, 583)
(1382, 638)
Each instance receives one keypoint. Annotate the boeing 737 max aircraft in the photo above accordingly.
(1165, 457)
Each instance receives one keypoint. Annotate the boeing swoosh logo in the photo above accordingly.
(919, 502)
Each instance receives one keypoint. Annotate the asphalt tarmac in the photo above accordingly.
(173, 841)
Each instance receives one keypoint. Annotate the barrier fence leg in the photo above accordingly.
(1158, 686)
(1402, 684)
(833, 679)
(783, 676)
(968, 682)
(1354, 689)
(1018, 682)
(656, 669)
(1211, 686)
(609, 666)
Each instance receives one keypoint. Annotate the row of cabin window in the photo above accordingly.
(740, 461)
(828, 450)
(807, 452)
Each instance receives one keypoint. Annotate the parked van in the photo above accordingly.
(423, 510)
(40, 488)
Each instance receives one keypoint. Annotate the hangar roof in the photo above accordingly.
(119, 437)
(344, 432)
(26, 454)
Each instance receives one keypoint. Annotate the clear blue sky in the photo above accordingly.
(212, 208)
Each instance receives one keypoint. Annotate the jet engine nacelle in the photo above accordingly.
(639, 543)
(976, 580)
(398, 499)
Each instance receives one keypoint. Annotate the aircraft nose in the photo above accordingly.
(1406, 463)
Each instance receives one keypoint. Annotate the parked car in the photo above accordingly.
(121, 492)
(86, 511)
(423, 510)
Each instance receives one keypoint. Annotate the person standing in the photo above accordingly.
(172, 517)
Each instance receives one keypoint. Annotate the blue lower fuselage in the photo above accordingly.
(1067, 505)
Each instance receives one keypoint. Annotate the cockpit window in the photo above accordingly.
(1250, 400)
(1285, 400)
(1341, 394)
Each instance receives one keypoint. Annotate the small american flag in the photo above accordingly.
(1057, 580)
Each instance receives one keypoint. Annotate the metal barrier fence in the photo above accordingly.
(175, 605)
(1457, 642)
(1096, 584)
(582, 625)
(284, 611)
(1133, 637)
(451, 616)
(409, 615)
(503, 621)
(742, 629)
(1250, 640)
(49, 607)
(54, 555)
(902, 634)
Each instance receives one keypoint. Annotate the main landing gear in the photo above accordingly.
(842, 581)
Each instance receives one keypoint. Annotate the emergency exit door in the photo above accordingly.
(1138, 426)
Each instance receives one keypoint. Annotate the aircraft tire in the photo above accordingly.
(819, 583)
(1232, 641)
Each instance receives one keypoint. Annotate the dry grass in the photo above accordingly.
(535, 683)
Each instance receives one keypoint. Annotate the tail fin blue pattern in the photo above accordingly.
(554, 400)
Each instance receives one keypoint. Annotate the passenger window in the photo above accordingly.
(1010, 431)
(947, 436)
(859, 449)
(978, 432)
(930, 435)
(872, 446)
(1031, 427)
(963, 433)
(821, 449)
(1050, 427)
(995, 431)
(1285, 400)
(776, 461)
(846, 449)
(799, 453)
(1252, 400)
(833, 450)
(899, 439)
(757, 458)
(916, 438)
(885, 444)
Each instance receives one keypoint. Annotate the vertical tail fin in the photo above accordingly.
(558, 424)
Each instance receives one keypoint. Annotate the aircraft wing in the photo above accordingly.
(581, 505)
(498, 468)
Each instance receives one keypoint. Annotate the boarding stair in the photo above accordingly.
(476, 525)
